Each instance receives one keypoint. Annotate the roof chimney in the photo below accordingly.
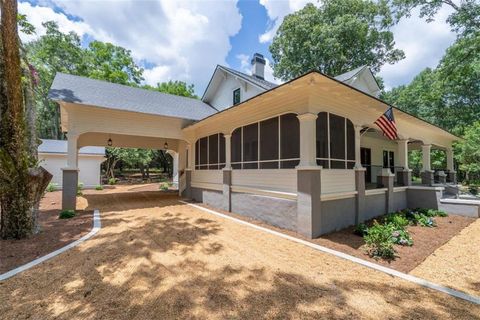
(258, 63)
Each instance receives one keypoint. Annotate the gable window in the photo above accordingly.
(210, 152)
(269, 144)
(236, 96)
(335, 142)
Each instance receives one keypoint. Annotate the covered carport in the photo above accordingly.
(99, 113)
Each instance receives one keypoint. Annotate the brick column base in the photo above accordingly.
(69, 188)
(308, 202)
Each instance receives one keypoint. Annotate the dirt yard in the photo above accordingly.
(457, 263)
(54, 234)
(156, 258)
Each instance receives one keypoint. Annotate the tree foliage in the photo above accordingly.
(334, 38)
(178, 88)
(469, 152)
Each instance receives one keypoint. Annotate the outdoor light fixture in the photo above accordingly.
(109, 142)
(165, 146)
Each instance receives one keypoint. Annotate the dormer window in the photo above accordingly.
(236, 96)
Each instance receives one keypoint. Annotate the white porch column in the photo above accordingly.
(189, 156)
(449, 153)
(72, 150)
(175, 168)
(358, 158)
(307, 140)
(426, 148)
(403, 153)
(228, 153)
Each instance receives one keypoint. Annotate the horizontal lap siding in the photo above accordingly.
(281, 179)
(207, 176)
(337, 180)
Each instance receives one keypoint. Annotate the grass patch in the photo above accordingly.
(99, 188)
(51, 187)
(67, 214)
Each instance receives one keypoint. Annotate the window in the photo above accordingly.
(236, 96)
(388, 160)
(335, 141)
(270, 144)
(208, 152)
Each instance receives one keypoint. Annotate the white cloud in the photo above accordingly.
(184, 40)
(276, 11)
(424, 45)
(246, 67)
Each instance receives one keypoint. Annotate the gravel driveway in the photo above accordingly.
(156, 258)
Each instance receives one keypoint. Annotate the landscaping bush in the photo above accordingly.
(67, 214)
(163, 186)
(402, 237)
(51, 187)
(397, 219)
(79, 189)
(379, 241)
(112, 181)
(361, 229)
(99, 188)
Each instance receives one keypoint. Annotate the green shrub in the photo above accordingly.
(67, 214)
(163, 186)
(112, 181)
(51, 187)
(398, 219)
(379, 241)
(79, 189)
(401, 237)
(99, 188)
(424, 221)
(360, 229)
(441, 213)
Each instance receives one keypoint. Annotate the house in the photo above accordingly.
(304, 155)
(52, 155)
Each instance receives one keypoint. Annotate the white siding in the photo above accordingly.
(223, 97)
(377, 146)
(337, 180)
(207, 176)
(89, 168)
(271, 179)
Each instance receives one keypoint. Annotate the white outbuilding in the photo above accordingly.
(52, 155)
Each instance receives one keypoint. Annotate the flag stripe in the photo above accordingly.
(388, 127)
(386, 122)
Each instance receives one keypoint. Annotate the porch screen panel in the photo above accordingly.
(222, 151)
(289, 141)
(322, 140)
(350, 145)
(269, 144)
(197, 154)
(213, 152)
(250, 146)
(204, 153)
(236, 148)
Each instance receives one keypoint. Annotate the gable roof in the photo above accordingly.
(82, 90)
(260, 83)
(349, 74)
(61, 147)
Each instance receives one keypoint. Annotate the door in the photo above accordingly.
(388, 160)
(366, 159)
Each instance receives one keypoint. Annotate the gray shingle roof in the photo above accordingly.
(61, 147)
(267, 85)
(82, 90)
(349, 74)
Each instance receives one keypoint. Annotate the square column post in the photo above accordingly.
(360, 197)
(70, 174)
(308, 179)
(227, 175)
(427, 173)
(404, 177)
(385, 180)
(308, 134)
(358, 141)
(186, 192)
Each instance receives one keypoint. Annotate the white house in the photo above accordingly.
(304, 155)
(52, 155)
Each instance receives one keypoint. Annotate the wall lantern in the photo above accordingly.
(165, 146)
(109, 142)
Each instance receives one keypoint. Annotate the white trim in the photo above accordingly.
(206, 185)
(368, 264)
(372, 192)
(338, 196)
(400, 189)
(96, 227)
(265, 192)
(426, 188)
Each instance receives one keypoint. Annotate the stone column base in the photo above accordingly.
(440, 177)
(427, 178)
(227, 196)
(187, 193)
(308, 202)
(404, 178)
(69, 188)
(452, 177)
(386, 180)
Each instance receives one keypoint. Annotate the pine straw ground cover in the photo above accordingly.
(55, 233)
(156, 258)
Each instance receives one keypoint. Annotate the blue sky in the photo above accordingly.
(185, 40)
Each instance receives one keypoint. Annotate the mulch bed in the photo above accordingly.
(55, 233)
(425, 240)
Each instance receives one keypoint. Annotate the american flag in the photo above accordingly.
(387, 123)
